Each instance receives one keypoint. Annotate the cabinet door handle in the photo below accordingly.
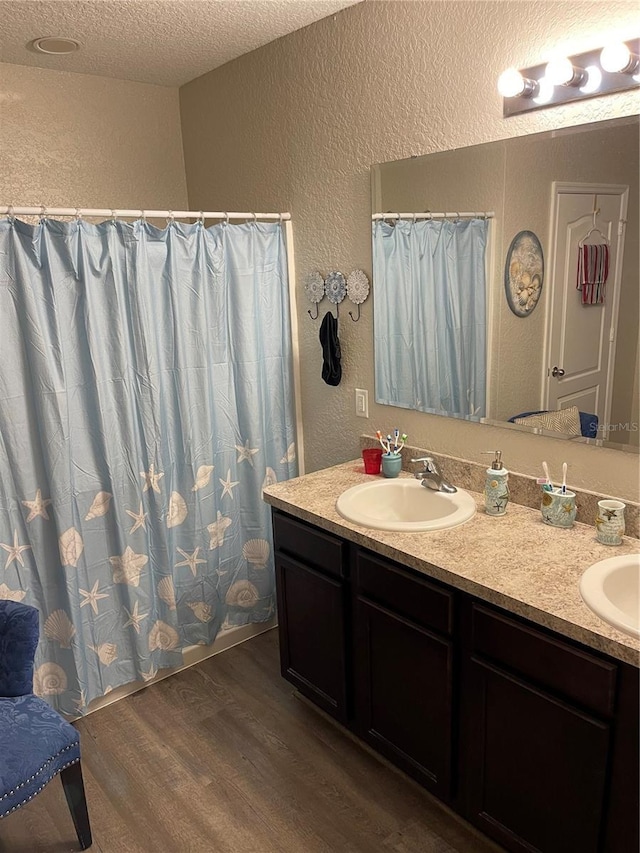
(557, 371)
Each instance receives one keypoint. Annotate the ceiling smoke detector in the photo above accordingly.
(55, 45)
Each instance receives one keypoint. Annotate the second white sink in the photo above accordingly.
(404, 505)
(611, 588)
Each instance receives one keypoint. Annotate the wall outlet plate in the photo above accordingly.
(362, 403)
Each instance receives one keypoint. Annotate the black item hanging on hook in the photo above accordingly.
(331, 354)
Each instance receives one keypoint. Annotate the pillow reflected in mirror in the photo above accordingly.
(566, 421)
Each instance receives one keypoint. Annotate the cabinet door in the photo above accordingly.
(535, 766)
(311, 616)
(403, 693)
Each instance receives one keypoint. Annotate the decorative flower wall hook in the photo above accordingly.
(314, 290)
(357, 290)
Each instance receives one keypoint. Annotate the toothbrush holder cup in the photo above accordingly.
(558, 509)
(391, 464)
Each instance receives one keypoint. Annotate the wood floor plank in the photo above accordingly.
(224, 758)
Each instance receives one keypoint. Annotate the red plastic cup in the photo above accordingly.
(372, 459)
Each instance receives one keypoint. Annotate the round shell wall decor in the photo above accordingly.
(335, 286)
(524, 273)
(314, 286)
(357, 286)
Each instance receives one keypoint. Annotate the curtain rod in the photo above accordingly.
(486, 214)
(11, 210)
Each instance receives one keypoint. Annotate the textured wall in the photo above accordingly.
(296, 125)
(74, 140)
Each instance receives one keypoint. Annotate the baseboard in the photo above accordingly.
(190, 655)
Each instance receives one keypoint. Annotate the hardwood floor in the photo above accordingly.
(224, 758)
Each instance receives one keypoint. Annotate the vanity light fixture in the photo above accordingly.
(614, 68)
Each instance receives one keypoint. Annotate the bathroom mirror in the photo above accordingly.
(567, 187)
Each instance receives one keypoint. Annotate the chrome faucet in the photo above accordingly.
(431, 477)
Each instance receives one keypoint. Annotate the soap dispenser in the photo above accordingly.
(496, 488)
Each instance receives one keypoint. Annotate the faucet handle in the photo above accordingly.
(428, 462)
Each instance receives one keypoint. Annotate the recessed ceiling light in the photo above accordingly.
(55, 45)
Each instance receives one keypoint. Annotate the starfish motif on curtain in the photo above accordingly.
(246, 452)
(151, 479)
(91, 598)
(38, 506)
(127, 568)
(135, 618)
(228, 485)
(190, 560)
(150, 675)
(140, 519)
(15, 551)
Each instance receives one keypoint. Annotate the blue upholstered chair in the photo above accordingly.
(36, 743)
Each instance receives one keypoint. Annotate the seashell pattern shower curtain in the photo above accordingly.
(146, 396)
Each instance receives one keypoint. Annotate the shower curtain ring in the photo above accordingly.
(78, 215)
(43, 212)
(143, 216)
(113, 217)
(201, 218)
(255, 218)
(10, 215)
(226, 219)
(170, 218)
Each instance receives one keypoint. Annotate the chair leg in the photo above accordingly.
(74, 792)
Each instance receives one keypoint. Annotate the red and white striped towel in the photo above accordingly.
(593, 272)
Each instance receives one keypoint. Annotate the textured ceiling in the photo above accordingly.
(167, 42)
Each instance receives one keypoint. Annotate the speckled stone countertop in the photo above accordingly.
(515, 562)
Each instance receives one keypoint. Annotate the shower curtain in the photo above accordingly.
(430, 317)
(146, 397)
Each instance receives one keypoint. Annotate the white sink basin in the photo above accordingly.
(404, 505)
(611, 588)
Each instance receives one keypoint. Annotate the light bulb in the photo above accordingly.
(511, 83)
(618, 58)
(545, 91)
(559, 71)
(594, 79)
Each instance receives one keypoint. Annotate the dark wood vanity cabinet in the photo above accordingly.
(536, 735)
(313, 610)
(403, 669)
(530, 736)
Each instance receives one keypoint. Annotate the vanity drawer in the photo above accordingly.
(549, 662)
(308, 544)
(415, 598)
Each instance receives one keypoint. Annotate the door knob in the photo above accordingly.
(557, 371)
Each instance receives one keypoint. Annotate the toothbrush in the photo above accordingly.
(396, 435)
(389, 444)
(384, 446)
(564, 478)
(545, 481)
